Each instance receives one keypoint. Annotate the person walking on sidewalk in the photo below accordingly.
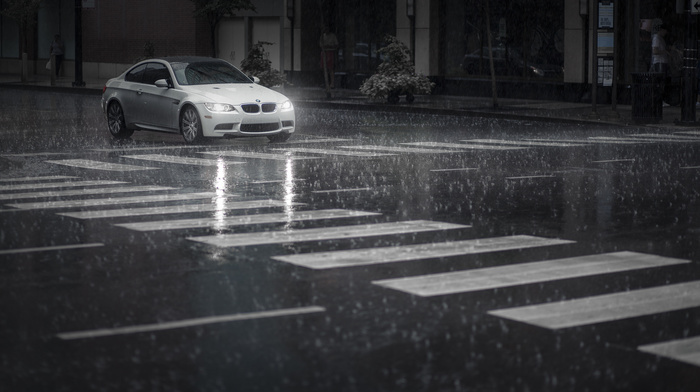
(57, 49)
(329, 44)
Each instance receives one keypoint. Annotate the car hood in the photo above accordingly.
(234, 93)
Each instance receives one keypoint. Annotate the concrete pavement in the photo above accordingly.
(557, 111)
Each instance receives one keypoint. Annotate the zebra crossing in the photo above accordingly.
(548, 315)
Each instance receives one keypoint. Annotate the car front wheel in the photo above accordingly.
(190, 125)
(116, 122)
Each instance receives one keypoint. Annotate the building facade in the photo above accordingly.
(546, 48)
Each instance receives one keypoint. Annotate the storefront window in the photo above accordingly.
(527, 38)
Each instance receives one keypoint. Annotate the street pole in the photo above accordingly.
(594, 59)
(78, 44)
(690, 58)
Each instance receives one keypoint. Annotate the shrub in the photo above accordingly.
(396, 74)
(257, 64)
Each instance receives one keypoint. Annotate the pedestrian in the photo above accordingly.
(329, 44)
(57, 49)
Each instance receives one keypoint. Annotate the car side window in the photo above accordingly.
(155, 71)
(136, 74)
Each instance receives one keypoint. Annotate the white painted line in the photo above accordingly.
(96, 165)
(683, 350)
(324, 140)
(605, 308)
(532, 177)
(526, 273)
(47, 185)
(34, 154)
(182, 160)
(455, 169)
(523, 143)
(342, 190)
(243, 220)
(332, 152)
(690, 167)
(666, 137)
(124, 149)
(181, 209)
(615, 161)
(359, 257)
(256, 155)
(81, 192)
(115, 201)
(692, 133)
(42, 178)
(622, 140)
(325, 233)
(593, 140)
(164, 326)
(399, 149)
(49, 248)
(462, 146)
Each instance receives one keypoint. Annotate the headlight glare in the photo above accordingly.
(219, 107)
(286, 105)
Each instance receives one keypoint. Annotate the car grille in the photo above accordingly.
(255, 108)
(250, 108)
(264, 127)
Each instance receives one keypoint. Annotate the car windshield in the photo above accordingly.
(211, 72)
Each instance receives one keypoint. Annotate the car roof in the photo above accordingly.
(187, 59)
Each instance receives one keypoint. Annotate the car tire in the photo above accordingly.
(190, 125)
(280, 137)
(116, 122)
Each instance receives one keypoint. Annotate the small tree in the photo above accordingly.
(257, 64)
(396, 75)
(24, 12)
(215, 10)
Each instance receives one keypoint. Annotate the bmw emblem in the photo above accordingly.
(257, 100)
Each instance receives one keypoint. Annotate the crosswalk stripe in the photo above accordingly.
(45, 185)
(463, 146)
(49, 248)
(359, 257)
(524, 143)
(591, 141)
(230, 221)
(684, 350)
(131, 148)
(325, 233)
(163, 326)
(399, 149)
(526, 273)
(605, 308)
(342, 190)
(182, 160)
(332, 152)
(619, 140)
(80, 192)
(180, 209)
(40, 178)
(97, 165)
(455, 169)
(256, 155)
(321, 140)
(666, 137)
(114, 201)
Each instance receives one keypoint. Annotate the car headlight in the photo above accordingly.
(219, 107)
(286, 105)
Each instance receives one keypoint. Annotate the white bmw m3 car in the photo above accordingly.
(197, 97)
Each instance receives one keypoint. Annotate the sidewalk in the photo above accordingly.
(433, 104)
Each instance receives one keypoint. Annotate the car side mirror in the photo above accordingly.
(255, 79)
(162, 83)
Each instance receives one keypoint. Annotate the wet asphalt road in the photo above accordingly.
(241, 265)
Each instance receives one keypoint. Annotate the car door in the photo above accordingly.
(159, 103)
(130, 96)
